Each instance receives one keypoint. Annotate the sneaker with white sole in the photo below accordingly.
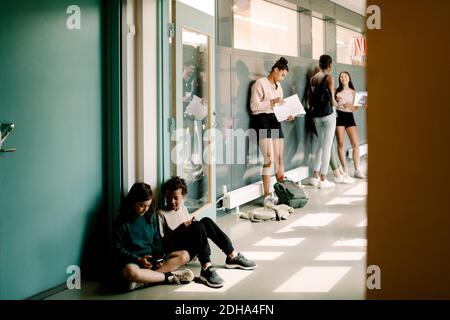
(343, 180)
(326, 184)
(181, 276)
(314, 182)
(269, 202)
(349, 178)
(211, 277)
(135, 285)
(358, 174)
(240, 262)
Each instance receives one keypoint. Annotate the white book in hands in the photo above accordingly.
(360, 99)
(291, 107)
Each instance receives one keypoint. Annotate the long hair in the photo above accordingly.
(341, 86)
(139, 192)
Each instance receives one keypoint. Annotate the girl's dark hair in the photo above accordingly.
(174, 184)
(139, 192)
(281, 64)
(325, 61)
(341, 86)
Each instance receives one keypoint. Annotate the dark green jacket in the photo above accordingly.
(137, 237)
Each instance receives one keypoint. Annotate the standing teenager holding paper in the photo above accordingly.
(345, 94)
(267, 93)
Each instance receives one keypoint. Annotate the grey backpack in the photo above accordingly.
(291, 194)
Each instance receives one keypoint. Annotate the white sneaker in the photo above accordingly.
(349, 178)
(326, 184)
(343, 180)
(181, 276)
(313, 182)
(358, 174)
(269, 202)
(134, 285)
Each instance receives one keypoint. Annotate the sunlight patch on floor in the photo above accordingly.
(344, 201)
(359, 190)
(363, 224)
(262, 255)
(273, 242)
(311, 220)
(314, 279)
(351, 243)
(340, 256)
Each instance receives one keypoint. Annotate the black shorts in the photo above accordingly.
(266, 126)
(345, 119)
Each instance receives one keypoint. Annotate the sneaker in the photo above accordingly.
(326, 184)
(240, 262)
(211, 277)
(358, 174)
(181, 276)
(314, 182)
(135, 285)
(349, 178)
(269, 202)
(343, 180)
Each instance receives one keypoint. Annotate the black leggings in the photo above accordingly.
(194, 239)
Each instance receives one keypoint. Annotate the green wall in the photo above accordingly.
(52, 190)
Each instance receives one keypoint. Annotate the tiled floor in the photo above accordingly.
(319, 253)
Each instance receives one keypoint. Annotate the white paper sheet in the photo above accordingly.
(196, 108)
(360, 99)
(291, 107)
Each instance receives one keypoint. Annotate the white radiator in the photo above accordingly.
(238, 197)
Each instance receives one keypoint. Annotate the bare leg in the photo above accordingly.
(278, 152)
(175, 260)
(132, 272)
(334, 161)
(266, 146)
(336, 173)
(354, 140)
(340, 136)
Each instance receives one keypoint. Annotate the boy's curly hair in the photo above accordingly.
(175, 183)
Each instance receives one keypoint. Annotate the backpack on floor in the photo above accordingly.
(291, 194)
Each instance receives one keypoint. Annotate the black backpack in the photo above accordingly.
(321, 101)
(291, 194)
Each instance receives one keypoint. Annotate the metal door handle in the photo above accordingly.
(5, 130)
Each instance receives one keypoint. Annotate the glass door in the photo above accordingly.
(193, 107)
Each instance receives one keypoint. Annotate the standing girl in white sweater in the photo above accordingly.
(267, 93)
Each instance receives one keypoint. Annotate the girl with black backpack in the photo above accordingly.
(322, 103)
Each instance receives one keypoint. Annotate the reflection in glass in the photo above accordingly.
(195, 115)
(318, 37)
(206, 6)
(351, 47)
